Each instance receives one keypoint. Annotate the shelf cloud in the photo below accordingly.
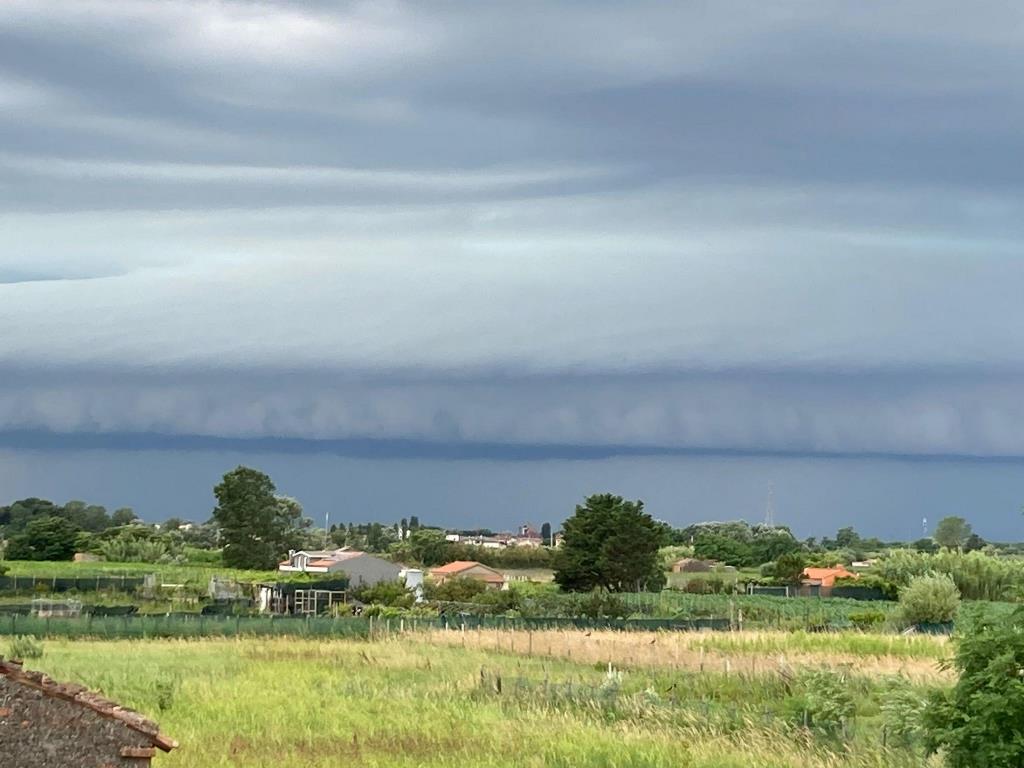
(727, 227)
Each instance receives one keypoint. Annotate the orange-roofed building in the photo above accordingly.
(826, 577)
(469, 569)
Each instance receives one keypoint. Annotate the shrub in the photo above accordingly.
(45, 538)
(24, 647)
(389, 593)
(713, 546)
(932, 599)
(867, 619)
(498, 601)
(789, 568)
(825, 701)
(196, 556)
(695, 586)
(977, 575)
(902, 712)
(599, 605)
(458, 590)
(977, 723)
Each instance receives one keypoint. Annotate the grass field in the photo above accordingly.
(913, 658)
(419, 700)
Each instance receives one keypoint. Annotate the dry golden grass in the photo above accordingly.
(914, 658)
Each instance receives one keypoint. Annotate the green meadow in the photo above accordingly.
(432, 699)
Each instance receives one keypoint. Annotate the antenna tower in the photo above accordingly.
(769, 510)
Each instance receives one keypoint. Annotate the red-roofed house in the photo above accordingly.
(826, 577)
(469, 569)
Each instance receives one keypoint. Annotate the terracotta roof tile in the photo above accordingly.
(456, 567)
(81, 695)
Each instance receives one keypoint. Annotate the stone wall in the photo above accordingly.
(39, 730)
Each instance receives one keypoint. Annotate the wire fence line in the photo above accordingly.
(57, 584)
(195, 626)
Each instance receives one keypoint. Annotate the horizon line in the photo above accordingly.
(422, 449)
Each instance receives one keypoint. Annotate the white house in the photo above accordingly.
(360, 567)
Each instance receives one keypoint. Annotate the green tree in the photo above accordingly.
(458, 590)
(426, 546)
(173, 523)
(770, 544)
(847, 538)
(977, 723)
(925, 545)
(545, 535)
(45, 538)
(19, 514)
(123, 516)
(611, 544)
(952, 532)
(88, 517)
(789, 568)
(974, 543)
(724, 549)
(257, 526)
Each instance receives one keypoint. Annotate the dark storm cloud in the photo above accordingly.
(925, 412)
(732, 227)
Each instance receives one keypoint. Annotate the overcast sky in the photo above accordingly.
(487, 237)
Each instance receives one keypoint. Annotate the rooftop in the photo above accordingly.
(82, 696)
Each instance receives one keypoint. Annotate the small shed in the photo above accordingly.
(46, 724)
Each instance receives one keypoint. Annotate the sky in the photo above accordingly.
(488, 258)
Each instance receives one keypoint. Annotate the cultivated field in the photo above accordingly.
(422, 699)
(910, 657)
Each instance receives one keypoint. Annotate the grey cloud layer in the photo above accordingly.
(550, 196)
(935, 413)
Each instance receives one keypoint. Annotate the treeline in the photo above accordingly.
(16, 517)
(372, 536)
(743, 545)
(738, 543)
(427, 547)
(410, 542)
(977, 576)
(39, 529)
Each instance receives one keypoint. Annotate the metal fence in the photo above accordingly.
(34, 584)
(191, 625)
(195, 625)
(537, 623)
(181, 625)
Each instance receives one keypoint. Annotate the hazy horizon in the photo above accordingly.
(883, 497)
